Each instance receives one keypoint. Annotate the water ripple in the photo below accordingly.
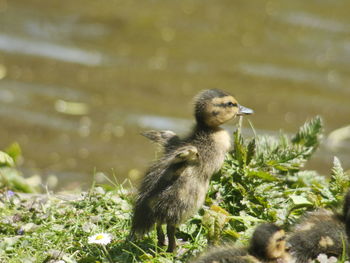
(313, 21)
(19, 45)
(38, 118)
(279, 72)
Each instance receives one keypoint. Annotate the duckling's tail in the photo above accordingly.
(143, 219)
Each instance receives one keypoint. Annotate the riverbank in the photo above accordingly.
(262, 180)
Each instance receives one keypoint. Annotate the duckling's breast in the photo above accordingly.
(222, 140)
(213, 151)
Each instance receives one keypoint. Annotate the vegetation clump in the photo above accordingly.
(262, 180)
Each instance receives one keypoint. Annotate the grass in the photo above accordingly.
(262, 180)
(40, 228)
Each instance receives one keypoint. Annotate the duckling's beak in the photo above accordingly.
(244, 111)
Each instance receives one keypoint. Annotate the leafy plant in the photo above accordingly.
(10, 177)
(262, 180)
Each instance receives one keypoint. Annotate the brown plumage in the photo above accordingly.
(266, 245)
(175, 186)
(321, 231)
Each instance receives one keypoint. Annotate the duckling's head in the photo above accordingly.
(214, 107)
(268, 242)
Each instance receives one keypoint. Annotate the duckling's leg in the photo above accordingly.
(160, 235)
(171, 237)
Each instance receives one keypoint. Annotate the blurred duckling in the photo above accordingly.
(266, 245)
(175, 186)
(321, 231)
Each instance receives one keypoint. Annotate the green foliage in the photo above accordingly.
(48, 228)
(262, 180)
(6, 160)
(14, 151)
(10, 177)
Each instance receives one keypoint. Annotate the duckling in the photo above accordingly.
(175, 186)
(321, 231)
(266, 245)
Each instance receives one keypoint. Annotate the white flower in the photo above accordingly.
(332, 260)
(322, 258)
(101, 238)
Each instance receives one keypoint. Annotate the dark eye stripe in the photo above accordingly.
(281, 238)
(228, 104)
(231, 104)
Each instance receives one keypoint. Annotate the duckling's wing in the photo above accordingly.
(167, 169)
(161, 137)
(187, 153)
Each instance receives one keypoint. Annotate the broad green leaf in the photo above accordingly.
(263, 175)
(14, 150)
(6, 160)
(300, 200)
(251, 151)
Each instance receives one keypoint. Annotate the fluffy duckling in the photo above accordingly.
(266, 245)
(175, 186)
(321, 231)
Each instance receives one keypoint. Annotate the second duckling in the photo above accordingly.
(175, 186)
(321, 232)
(267, 245)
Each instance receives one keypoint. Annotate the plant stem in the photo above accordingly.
(107, 254)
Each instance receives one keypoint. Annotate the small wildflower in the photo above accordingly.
(101, 238)
(332, 259)
(10, 194)
(323, 258)
(20, 231)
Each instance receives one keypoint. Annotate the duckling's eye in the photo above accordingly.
(231, 104)
(281, 239)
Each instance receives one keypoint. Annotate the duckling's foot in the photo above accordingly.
(187, 153)
(171, 237)
(160, 236)
(171, 249)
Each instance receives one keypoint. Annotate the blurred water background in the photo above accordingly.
(80, 79)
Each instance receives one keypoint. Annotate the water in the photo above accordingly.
(80, 80)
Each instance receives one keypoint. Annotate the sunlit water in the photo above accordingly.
(79, 80)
